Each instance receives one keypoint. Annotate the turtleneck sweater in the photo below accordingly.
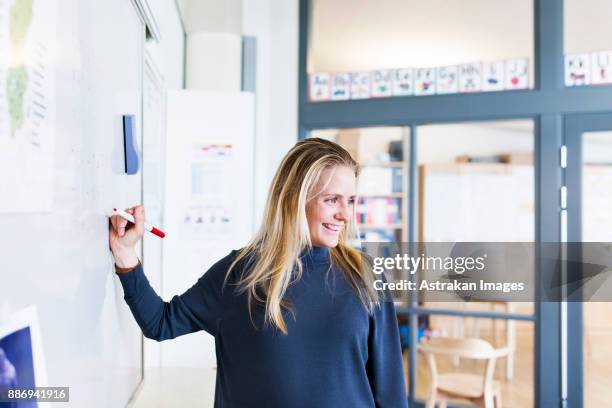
(336, 354)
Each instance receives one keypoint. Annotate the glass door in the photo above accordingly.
(588, 177)
(475, 182)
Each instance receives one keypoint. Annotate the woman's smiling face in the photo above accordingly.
(332, 207)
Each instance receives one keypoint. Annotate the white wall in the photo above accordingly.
(350, 35)
(443, 143)
(275, 25)
(196, 119)
(211, 16)
(214, 44)
(587, 25)
(171, 47)
(224, 74)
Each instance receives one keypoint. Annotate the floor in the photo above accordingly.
(176, 387)
(519, 392)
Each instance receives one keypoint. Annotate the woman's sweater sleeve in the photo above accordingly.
(199, 308)
(384, 367)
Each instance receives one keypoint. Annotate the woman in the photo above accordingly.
(296, 320)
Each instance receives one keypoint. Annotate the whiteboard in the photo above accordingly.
(596, 196)
(153, 169)
(58, 259)
(477, 203)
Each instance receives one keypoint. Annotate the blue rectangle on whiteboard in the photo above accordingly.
(129, 145)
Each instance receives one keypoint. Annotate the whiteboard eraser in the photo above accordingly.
(129, 145)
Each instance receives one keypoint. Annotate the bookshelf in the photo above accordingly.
(382, 207)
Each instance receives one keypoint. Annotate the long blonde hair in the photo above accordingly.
(274, 252)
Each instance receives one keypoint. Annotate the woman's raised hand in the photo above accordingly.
(124, 235)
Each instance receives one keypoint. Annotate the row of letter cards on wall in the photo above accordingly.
(475, 77)
(588, 69)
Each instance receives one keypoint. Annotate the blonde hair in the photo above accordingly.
(274, 252)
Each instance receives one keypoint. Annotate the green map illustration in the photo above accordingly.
(17, 74)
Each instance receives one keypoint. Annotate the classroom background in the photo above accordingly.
(477, 120)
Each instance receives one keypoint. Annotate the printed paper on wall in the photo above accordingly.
(447, 80)
(319, 87)
(360, 85)
(22, 360)
(470, 77)
(28, 88)
(425, 81)
(601, 68)
(517, 74)
(381, 83)
(341, 87)
(493, 76)
(403, 82)
(577, 69)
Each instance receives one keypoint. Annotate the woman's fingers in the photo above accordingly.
(119, 224)
(125, 234)
(139, 216)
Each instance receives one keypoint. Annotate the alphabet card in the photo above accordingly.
(360, 85)
(446, 80)
(517, 75)
(381, 83)
(425, 81)
(402, 82)
(601, 68)
(319, 87)
(493, 76)
(577, 69)
(470, 77)
(341, 87)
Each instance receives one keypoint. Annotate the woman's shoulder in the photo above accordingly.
(233, 264)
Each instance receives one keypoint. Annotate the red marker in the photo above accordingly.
(131, 219)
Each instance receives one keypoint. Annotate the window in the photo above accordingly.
(382, 208)
(587, 42)
(476, 184)
(437, 46)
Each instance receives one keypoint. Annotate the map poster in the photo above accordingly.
(27, 104)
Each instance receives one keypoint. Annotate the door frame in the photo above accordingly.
(575, 125)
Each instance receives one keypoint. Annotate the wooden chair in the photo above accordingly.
(459, 331)
(479, 389)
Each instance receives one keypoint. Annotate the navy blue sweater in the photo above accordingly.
(335, 355)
